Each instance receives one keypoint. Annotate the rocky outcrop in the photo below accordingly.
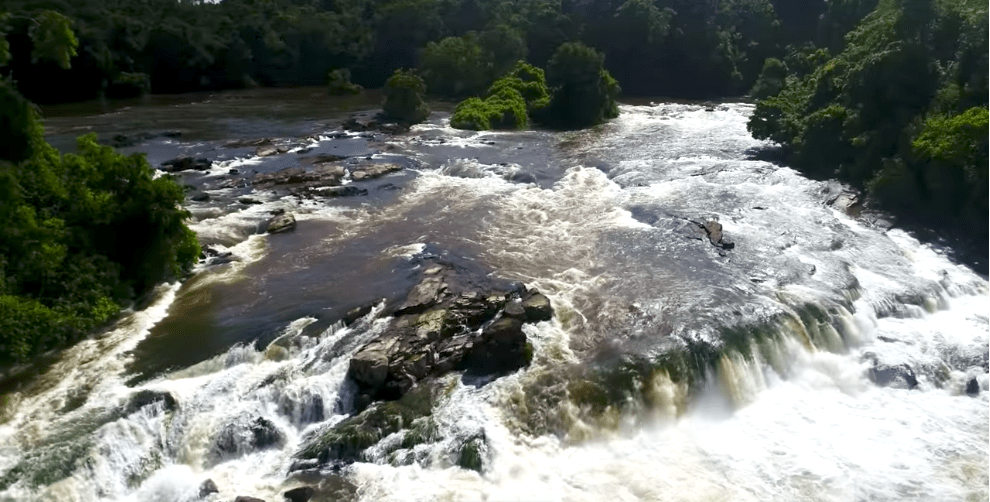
(282, 223)
(372, 171)
(446, 324)
(322, 175)
(973, 387)
(185, 164)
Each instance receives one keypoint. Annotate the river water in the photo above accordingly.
(787, 330)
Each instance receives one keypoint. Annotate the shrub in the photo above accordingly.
(454, 66)
(584, 93)
(339, 83)
(511, 100)
(404, 97)
(81, 233)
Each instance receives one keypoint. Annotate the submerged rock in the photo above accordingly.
(242, 498)
(320, 176)
(282, 223)
(898, 376)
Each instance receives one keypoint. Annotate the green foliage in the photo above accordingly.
(771, 81)
(129, 85)
(583, 92)
(19, 125)
(900, 110)
(404, 97)
(454, 66)
(52, 38)
(511, 100)
(339, 83)
(82, 233)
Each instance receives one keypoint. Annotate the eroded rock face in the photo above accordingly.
(436, 330)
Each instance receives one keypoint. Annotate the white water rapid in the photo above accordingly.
(800, 321)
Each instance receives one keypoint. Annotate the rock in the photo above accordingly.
(321, 175)
(502, 349)
(522, 177)
(146, 397)
(245, 143)
(899, 376)
(248, 201)
(282, 223)
(265, 433)
(233, 171)
(424, 295)
(266, 151)
(973, 387)
(323, 158)
(537, 308)
(714, 231)
(236, 439)
(186, 163)
(356, 313)
(242, 498)
(438, 329)
(369, 367)
(301, 494)
(371, 171)
(200, 197)
(344, 191)
(207, 488)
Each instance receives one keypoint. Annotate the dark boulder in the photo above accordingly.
(185, 164)
(237, 439)
(208, 487)
(200, 197)
(356, 313)
(147, 397)
(973, 387)
(248, 201)
(242, 498)
(898, 376)
(537, 308)
(301, 494)
(713, 230)
(282, 223)
(443, 325)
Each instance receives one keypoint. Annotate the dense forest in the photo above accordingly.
(677, 48)
(889, 95)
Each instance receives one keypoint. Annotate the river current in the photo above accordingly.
(805, 329)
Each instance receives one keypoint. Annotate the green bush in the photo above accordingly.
(129, 85)
(81, 234)
(339, 83)
(583, 92)
(454, 66)
(404, 97)
(510, 101)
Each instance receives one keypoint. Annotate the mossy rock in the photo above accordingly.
(472, 454)
(347, 440)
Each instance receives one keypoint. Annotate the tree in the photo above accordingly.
(583, 92)
(404, 97)
(511, 100)
(454, 66)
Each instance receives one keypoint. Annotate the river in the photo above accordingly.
(837, 352)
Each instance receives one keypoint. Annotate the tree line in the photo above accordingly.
(677, 48)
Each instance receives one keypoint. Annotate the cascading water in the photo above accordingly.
(820, 358)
